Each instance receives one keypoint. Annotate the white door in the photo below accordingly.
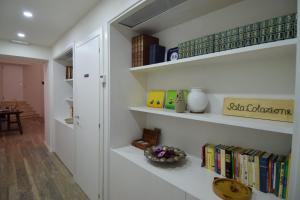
(87, 116)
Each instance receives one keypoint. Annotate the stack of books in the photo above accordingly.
(196, 47)
(278, 28)
(69, 72)
(141, 49)
(264, 171)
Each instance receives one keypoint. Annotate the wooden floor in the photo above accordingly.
(29, 171)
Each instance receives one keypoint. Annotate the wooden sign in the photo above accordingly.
(271, 109)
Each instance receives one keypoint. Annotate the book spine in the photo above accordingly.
(228, 165)
(257, 170)
(232, 164)
(242, 170)
(274, 172)
(263, 175)
(285, 179)
(216, 158)
(133, 51)
(270, 176)
(281, 177)
(277, 178)
(219, 160)
(223, 165)
(211, 157)
(203, 156)
(245, 169)
(250, 172)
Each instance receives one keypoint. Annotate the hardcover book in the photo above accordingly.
(156, 54)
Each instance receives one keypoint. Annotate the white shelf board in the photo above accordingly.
(64, 123)
(265, 50)
(69, 81)
(69, 100)
(190, 177)
(266, 125)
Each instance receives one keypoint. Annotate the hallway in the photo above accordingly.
(29, 171)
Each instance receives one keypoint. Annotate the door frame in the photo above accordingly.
(95, 34)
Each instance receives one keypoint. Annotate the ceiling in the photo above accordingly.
(52, 18)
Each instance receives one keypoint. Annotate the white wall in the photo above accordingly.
(33, 90)
(12, 82)
(95, 19)
(30, 51)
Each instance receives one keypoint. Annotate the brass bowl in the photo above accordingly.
(229, 189)
(164, 154)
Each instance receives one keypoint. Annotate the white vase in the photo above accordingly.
(197, 100)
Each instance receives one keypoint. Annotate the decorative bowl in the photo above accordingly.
(164, 154)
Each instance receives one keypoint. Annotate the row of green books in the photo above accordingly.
(278, 28)
(264, 171)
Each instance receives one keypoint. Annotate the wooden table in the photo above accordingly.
(5, 116)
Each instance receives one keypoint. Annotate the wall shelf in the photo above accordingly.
(64, 123)
(265, 50)
(69, 100)
(190, 178)
(69, 81)
(266, 125)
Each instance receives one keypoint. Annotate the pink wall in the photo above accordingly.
(1, 83)
(23, 83)
(33, 89)
(12, 78)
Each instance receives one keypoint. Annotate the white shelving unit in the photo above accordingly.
(69, 100)
(190, 177)
(260, 71)
(63, 90)
(69, 81)
(267, 49)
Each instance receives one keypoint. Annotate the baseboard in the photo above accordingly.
(47, 146)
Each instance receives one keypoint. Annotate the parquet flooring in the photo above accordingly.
(29, 171)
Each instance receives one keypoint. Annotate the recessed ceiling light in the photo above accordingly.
(28, 14)
(21, 35)
(20, 42)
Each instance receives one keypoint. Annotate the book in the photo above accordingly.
(210, 156)
(272, 175)
(144, 42)
(228, 162)
(286, 165)
(223, 163)
(257, 169)
(288, 176)
(217, 159)
(278, 170)
(133, 52)
(281, 177)
(156, 99)
(245, 166)
(264, 161)
(251, 170)
(156, 53)
(203, 156)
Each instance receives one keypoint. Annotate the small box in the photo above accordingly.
(150, 138)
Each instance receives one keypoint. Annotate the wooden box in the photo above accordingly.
(150, 138)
